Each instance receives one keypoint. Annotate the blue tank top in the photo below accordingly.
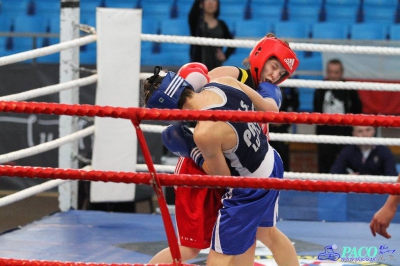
(251, 156)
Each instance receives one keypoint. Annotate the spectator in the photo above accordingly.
(382, 218)
(290, 103)
(365, 159)
(334, 102)
(204, 22)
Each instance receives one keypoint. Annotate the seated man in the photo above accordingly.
(365, 159)
(225, 148)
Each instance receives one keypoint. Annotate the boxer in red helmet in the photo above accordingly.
(259, 65)
(270, 48)
(270, 61)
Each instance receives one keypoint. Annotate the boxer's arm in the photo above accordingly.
(223, 71)
(260, 103)
(209, 139)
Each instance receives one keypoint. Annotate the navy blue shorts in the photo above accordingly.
(243, 211)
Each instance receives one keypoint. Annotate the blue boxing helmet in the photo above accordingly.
(167, 95)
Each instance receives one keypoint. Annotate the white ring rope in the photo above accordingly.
(15, 58)
(334, 139)
(340, 85)
(307, 138)
(31, 191)
(345, 49)
(349, 49)
(295, 175)
(50, 89)
(344, 178)
(334, 85)
(145, 75)
(8, 157)
(159, 168)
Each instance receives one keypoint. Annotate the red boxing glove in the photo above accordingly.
(196, 74)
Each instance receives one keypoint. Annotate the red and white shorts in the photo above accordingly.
(196, 209)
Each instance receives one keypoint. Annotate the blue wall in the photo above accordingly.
(335, 207)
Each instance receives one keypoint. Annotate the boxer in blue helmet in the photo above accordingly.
(164, 91)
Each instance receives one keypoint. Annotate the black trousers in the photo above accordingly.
(327, 154)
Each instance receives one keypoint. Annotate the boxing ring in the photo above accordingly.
(73, 237)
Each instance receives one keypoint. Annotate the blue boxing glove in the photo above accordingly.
(179, 140)
(269, 90)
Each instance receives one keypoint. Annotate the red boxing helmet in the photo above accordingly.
(269, 47)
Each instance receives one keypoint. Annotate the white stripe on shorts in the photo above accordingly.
(276, 210)
(179, 165)
(217, 242)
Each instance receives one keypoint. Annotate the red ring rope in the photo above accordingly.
(138, 114)
(201, 180)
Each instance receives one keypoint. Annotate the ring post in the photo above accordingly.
(69, 63)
